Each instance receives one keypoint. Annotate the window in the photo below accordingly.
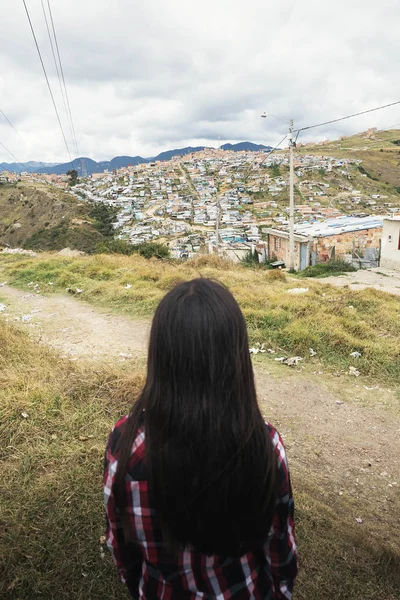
(277, 244)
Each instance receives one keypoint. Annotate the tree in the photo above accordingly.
(73, 175)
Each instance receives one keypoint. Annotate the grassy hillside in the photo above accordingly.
(379, 152)
(54, 421)
(41, 217)
(334, 322)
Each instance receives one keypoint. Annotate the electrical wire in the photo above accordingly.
(19, 135)
(364, 112)
(15, 158)
(47, 80)
(56, 65)
(63, 78)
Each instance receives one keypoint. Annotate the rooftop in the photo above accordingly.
(338, 225)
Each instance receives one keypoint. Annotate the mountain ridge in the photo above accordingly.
(91, 166)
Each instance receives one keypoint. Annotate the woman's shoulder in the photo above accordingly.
(115, 437)
(277, 444)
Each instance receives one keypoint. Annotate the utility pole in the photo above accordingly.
(291, 199)
(291, 187)
(217, 228)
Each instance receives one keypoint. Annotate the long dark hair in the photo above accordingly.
(208, 456)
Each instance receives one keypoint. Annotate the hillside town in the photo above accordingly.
(234, 203)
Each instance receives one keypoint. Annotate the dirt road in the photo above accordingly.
(350, 450)
(381, 279)
(73, 327)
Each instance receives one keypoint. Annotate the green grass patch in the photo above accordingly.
(333, 321)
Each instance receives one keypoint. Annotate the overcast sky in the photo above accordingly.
(153, 75)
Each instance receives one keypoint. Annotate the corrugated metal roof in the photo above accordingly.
(338, 225)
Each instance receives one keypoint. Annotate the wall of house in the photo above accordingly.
(390, 254)
(279, 246)
(345, 242)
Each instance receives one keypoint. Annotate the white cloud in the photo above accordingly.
(146, 77)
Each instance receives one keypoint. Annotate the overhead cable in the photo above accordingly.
(364, 112)
(47, 80)
(18, 134)
(63, 78)
(15, 158)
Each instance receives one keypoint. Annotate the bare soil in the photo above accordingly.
(379, 278)
(349, 450)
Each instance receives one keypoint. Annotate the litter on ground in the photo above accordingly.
(290, 362)
(2, 307)
(3, 284)
(355, 354)
(257, 349)
(298, 291)
(128, 286)
(353, 371)
(312, 352)
(26, 318)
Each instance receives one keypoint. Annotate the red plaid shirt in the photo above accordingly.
(151, 574)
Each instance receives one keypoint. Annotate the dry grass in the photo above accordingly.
(334, 322)
(52, 515)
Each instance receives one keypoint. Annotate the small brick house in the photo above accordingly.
(359, 237)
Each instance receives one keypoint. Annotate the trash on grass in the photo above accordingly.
(312, 352)
(298, 291)
(26, 318)
(359, 520)
(355, 354)
(2, 307)
(128, 286)
(353, 371)
(290, 362)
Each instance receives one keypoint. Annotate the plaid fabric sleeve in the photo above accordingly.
(280, 549)
(127, 560)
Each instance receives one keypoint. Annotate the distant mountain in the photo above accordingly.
(30, 165)
(246, 146)
(178, 152)
(87, 166)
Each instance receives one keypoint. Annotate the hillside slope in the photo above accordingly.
(44, 218)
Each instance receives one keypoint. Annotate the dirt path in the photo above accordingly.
(381, 279)
(349, 450)
(74, 328)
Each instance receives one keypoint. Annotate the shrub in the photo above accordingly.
(250, 259)
(332, 267)
(148, 249)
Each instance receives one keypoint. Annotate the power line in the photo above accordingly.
(12, 126)
(15, 158)
(47, 80)
(364, 112)
(63, 78)
(55, 62)
(19, 135)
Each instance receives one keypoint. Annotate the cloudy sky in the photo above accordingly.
(148, 76)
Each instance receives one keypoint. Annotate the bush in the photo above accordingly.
(332, 267)
(148, 249)
(115, 247)
(103, 216)
(250, 259)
